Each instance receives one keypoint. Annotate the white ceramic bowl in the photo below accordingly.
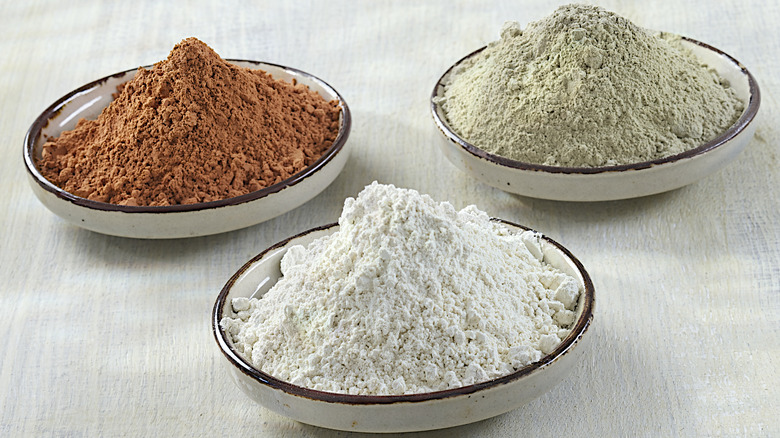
(397, 413)
(612, 182)
(178, 221)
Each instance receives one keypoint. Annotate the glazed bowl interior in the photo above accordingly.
(185, 220)
(608, 182)
(396, 413)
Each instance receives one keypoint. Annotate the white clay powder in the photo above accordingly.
(408, 296)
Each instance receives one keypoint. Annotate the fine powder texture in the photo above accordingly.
(193, 128)
(408, 296)
(585, 87)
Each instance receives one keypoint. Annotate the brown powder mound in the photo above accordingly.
(193, 128)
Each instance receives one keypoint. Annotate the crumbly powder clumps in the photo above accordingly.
(585, 87)
(408, 296)
(193, 128)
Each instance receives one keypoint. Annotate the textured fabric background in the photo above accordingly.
(110, 336)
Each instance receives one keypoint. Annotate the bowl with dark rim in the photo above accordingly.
(609, 182)
(397, 413)
(184, 220)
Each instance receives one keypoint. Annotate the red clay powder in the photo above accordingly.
(193, 128)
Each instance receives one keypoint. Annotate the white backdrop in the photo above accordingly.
(110, 336)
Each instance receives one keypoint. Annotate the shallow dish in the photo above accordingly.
(177, 221)
(396, 413)
(612, 182)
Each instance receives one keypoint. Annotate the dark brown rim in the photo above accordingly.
(43, 119)
(579, 329)
(744, 120)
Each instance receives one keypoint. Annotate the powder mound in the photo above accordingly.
(585, 87)
(408, 296)
(193, 128)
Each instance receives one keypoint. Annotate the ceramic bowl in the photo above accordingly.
(397, 413)
(178, 221)
(612, 182)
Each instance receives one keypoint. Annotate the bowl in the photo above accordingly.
(187, 220)
(396, 413)
(609, 182)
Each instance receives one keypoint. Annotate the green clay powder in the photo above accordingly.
(585, 87)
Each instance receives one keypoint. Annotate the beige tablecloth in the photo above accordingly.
(110, 336)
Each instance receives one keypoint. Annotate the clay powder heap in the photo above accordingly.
(408, 296)
(194, 128)
(585, 87)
